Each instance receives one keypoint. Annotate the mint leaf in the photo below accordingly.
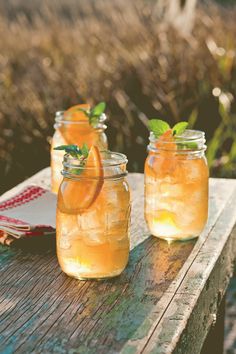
(77, 171)
(179, 128)
(98, 109)
(70, 149)
(75, 151)
(79, 153)
(158, 127)
(85, 150)
(190, 145)
(93, 121)
(67, 148)
(94, 113)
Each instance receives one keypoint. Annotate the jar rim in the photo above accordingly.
(115, 159)
(113, 167)
(190, 141)
(188, 135)
(59, 118)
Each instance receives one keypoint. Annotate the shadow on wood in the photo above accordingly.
(94, 314)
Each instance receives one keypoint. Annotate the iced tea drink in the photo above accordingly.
(74, 127)
(176, 185)
(93, 216)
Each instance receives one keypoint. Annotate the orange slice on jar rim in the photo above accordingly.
(77, 130)
(78, 195)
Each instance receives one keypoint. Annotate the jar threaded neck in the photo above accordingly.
(190, 142)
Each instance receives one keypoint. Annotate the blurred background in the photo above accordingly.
(168, 59)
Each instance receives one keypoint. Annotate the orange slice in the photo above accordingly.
(74, 113)
(75, 196)
(77, 130)
(166, 141)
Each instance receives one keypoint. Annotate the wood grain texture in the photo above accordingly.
(164, 302)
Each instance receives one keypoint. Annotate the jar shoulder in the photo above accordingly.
(180, 167)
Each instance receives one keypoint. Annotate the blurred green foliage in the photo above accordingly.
(54, 54)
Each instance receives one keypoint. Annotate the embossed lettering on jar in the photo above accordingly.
(176, 186)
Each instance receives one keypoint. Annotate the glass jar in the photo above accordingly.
(73, 132)
(176, 186)
(93, 242)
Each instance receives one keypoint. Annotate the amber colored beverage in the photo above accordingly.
(74, 128)
(176, 186)
(93, 218)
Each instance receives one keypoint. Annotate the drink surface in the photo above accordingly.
(93, 241)
(73, 129)
(176, 193)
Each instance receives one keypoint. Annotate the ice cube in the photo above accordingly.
(117, 223)
(95, 237)
(192, 169)
(91, 219)
(93, 226)
(64, 243)
(187, 217)
(111, 198)
(172, 190)
(66, 221)
(68, 230)
(198, 196)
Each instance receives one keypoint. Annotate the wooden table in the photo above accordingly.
(166, 300)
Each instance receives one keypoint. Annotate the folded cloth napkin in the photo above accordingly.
(30, 213)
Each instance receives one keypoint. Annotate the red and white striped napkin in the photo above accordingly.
(30, 213)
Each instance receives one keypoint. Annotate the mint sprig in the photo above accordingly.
(159, 127)
(75, 151)
(78, 153)
(94, 113)
(179, 128)
(85, 150)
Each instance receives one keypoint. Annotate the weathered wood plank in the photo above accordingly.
(104, 305)
(42, 310)
(218, 203)
(201, 291)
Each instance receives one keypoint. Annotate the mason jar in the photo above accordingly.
(176, 186)
(68, 131)
(93, 219)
